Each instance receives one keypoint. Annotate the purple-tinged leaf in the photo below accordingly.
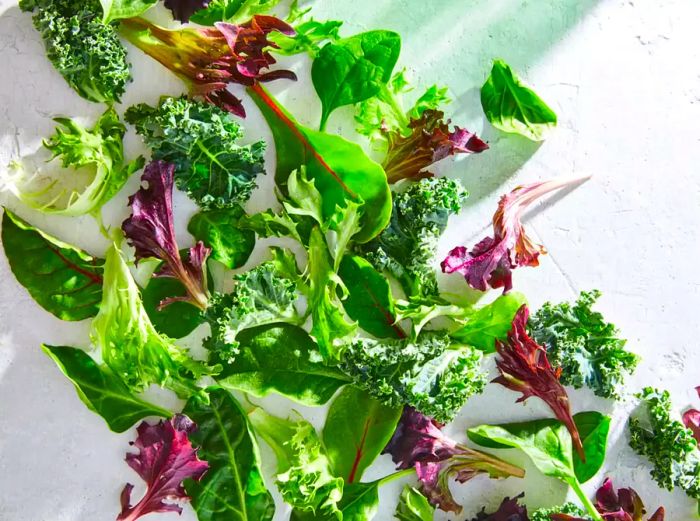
(509, 510)
(183, 9)
(622, 505)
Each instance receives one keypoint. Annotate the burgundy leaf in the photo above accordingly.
(183, 9)
(209, 59)
(524, 368)
(691, 419)
(430, 141)
(151, 232)
(510, 510)
(165, 459)
(491, 261)
(622, 505)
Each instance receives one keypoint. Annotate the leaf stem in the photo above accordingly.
(587, 503)
(396, 475)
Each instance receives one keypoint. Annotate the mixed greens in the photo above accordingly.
(347, 310)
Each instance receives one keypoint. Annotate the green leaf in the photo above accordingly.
(357, 429)
(65, 281)
(309, 33)
(369, 300)
(101, 390)
(233, 488)
(414, 506)
(340, 169)
(232, 11)
(281, 358)
(118, 9)
(360, 502)
(490, 323)
(511, 106)
(593, 427)
(354, 69)
(219, 230)
(176, 320)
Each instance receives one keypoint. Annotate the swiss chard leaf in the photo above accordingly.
(354, 69)
(281, 358)
(357, 429)
(233, 487)
(369, 300)
(118, 9)
(414, 506)
(218, 230)
(65, 281)
(511, 106)
(101, 390)
(340, 169)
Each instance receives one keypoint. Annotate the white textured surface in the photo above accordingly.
(624, 78)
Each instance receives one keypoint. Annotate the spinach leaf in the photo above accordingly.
(233, 487)
(281, 358)
(490, 323)
(219, 230)
(511, 106)
(177, 319)
(118, 9)
(593, 428)
(369, 300)
(354, 69)
(65, 281)
(413, 506)
(340, 169)
(357, 429)
(101, 390)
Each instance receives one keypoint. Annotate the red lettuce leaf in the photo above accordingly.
(491, 261)
(430, 141)
(622, 505)
(183, 9)
(209, 59)
(165, 459)
(524, 368)
(509, 510)
(151, 232)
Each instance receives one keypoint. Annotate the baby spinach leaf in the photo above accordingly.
(354, 69)
(177, 319)
(233, 487)
(219, 230)
(281, 358)
(340, 169)
(413, 506)
(593, 428)
(65, 281)
(101, 390)
(118, 9)
(357, 429)
(511, 106)
(369, 300)
(491, 322)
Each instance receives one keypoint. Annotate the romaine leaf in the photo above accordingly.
(65, 281)
(281, 358)
(413, 506)
(219, 231)
(101, 390)
(233, 487)
(340, 169)
(118, 9)
(356, 431)
(511, 106)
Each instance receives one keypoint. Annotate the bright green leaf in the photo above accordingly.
(414, 506)
(118, 9)
(232, 11)
(593, 427)
(219, 230)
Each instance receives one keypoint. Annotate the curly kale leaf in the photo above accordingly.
(428, 373)
(545, 514)
(669, 446)
(586, 347)
(84, 50)
(406, 248)
(260, 296)
(201, 141)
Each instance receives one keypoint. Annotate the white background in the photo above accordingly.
(624, 78)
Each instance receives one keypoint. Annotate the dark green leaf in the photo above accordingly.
(490, 322)
(511, 106)
(341, 171)
(219, 230)
(357, 429)
(414, 506)
(369, 299)
(593, 427)
(281, 358)
(64, 280)
(175, 320)
(101, 390)
(354, 69)
(233, 488)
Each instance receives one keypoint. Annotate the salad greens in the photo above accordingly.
(347, 309)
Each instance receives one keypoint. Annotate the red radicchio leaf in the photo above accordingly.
(491, 261)
(209, 59)
(430, 141)
(623, 505)
(524, 368)
(151, 232)
(510, 510)
(183, 9)
(419, 442)
(165, 459)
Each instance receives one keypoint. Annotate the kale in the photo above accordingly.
(201, 141)
(544, 514)
(586, 347)
(86, 51)
(406, 248)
